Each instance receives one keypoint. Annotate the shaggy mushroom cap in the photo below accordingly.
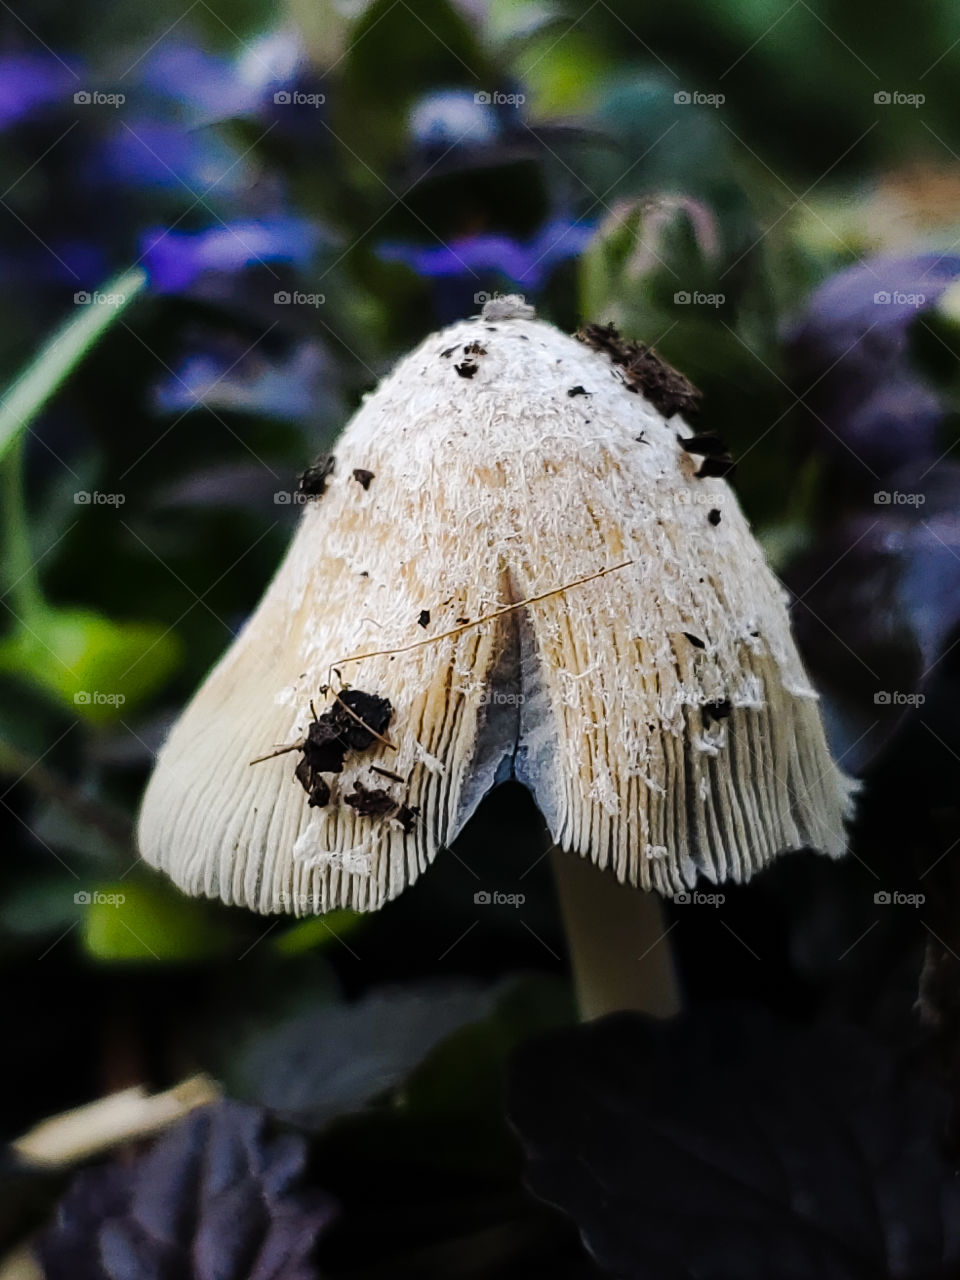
(550, 587)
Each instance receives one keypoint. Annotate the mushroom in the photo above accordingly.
(542, 586)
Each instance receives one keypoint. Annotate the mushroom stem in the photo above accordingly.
(619, 950)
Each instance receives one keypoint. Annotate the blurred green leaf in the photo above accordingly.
(134, 920)
(93, 665)
(61, 354)
(398, 50)
(317, 932)
(507, 20)
(563, 76)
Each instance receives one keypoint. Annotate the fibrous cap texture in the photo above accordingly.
(658, 711)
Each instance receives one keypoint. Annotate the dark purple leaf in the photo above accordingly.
(877, 604)
(725, 1145)
(216, 1198)
(339, 1058)
(851, 363)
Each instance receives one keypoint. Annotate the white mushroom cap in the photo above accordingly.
(659, 713)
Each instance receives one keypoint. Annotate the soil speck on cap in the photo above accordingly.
(714, 515)
(312, 483)
(717, 462)
(717, 468)
(331, 735)
(424, 619)
(466, 368)
(474, 349)
(449, 352)
(646, 372)
(462, 622)
(705, 444)
(695, 640)
(313, 784)
(374, 713)
(718, 710)
(578, 391)
(372, 802)
(362, 476)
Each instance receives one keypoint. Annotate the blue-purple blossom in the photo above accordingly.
(174, 260)
(147, 153)
(293, 385)
(206, 88)
(455, 118)
(30, 81)
(526, 263)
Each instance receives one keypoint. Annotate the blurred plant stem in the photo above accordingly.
(23, 401)
(98, 1127)
(59, 356)
(22, 582)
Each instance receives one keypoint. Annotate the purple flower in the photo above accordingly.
(29, 81)
(524, 263)
(147, 153)
(175, 259)
(207, 88)
(226, 374)
(204, 87)
(456, 118)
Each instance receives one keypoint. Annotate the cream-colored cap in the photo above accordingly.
(658, 711)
